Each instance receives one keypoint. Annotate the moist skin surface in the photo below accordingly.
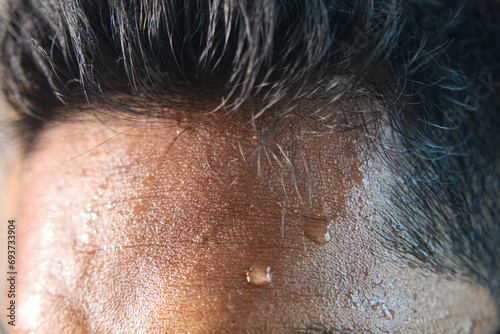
(178, 227)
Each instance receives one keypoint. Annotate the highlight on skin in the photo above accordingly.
(165, 224)
(261, 166)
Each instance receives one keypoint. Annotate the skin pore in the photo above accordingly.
(208, 227)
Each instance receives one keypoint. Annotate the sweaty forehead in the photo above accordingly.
(214, 227)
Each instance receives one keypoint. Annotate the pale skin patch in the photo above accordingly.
(156, 230)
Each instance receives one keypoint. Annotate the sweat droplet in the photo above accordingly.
(259, 275)
(320, 238)
(317, 230)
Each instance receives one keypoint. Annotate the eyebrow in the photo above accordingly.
(421, 65)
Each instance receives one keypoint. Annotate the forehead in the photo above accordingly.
(210, 228)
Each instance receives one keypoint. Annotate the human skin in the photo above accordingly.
(178, 227)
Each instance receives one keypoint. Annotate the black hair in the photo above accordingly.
(430, 67)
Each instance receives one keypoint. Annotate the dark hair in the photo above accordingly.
(428, 68)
